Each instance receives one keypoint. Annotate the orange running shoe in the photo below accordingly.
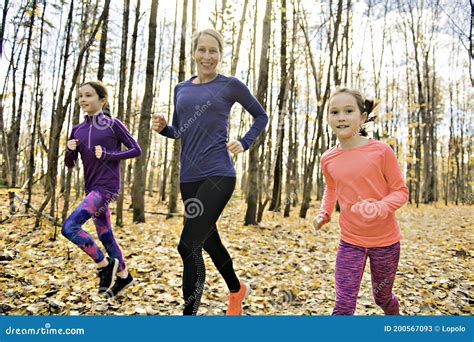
(236, 299)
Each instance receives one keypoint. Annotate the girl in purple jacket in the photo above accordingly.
(98, 140)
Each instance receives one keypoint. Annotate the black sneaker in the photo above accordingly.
(120, 284)
(107, 275)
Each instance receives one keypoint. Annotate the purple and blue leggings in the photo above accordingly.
(95, 205)
(350, 265)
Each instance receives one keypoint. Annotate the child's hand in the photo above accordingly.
(370, 209)
(98, 151)
(318, 222)
(72, 144)
(158, 122)
(235, 147)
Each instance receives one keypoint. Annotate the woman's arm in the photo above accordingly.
(250, 103)
(172, 131)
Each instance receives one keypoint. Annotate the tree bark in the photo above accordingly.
(16, 123)
(138, 192)
(120, 104)
(174, 188)
(36, 119)
(278, 168)
(254, 163)
(103, 45)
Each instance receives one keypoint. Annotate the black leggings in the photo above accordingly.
(204, 202)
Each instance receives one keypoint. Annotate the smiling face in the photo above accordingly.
(345, 117)
(207, 55)
(89, 100)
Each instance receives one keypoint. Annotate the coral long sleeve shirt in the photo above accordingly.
(369, 172)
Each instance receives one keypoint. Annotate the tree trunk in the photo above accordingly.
(174, 189)
(128, 113)
(291, 169)
(36, 119)
(254, 165)
(138, 192)
(103, 46)
(16, 123)
(2, 27)
(235, 60)
(170, 92)
(120, 104)
(278, 169)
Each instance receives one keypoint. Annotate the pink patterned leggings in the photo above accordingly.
(95, 205)
(350, 265)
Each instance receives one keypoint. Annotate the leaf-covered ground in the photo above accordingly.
(289, 267)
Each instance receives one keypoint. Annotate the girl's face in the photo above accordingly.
(345, 117)
(89, 100)
(207, 55)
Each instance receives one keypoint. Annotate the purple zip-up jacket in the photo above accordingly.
(104, 173)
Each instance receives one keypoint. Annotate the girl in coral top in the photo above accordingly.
(363, 175)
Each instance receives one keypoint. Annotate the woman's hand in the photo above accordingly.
(72, 144)
(158, 122)
(235, 147)
(318, 222)
(98, 151)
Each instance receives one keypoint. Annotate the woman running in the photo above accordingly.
(207, 179)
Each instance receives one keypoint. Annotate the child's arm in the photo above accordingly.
(329, 199)
(71, 155)
(397, 197)
(124, 136)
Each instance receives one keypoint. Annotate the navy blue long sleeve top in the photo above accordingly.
(200, 120)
